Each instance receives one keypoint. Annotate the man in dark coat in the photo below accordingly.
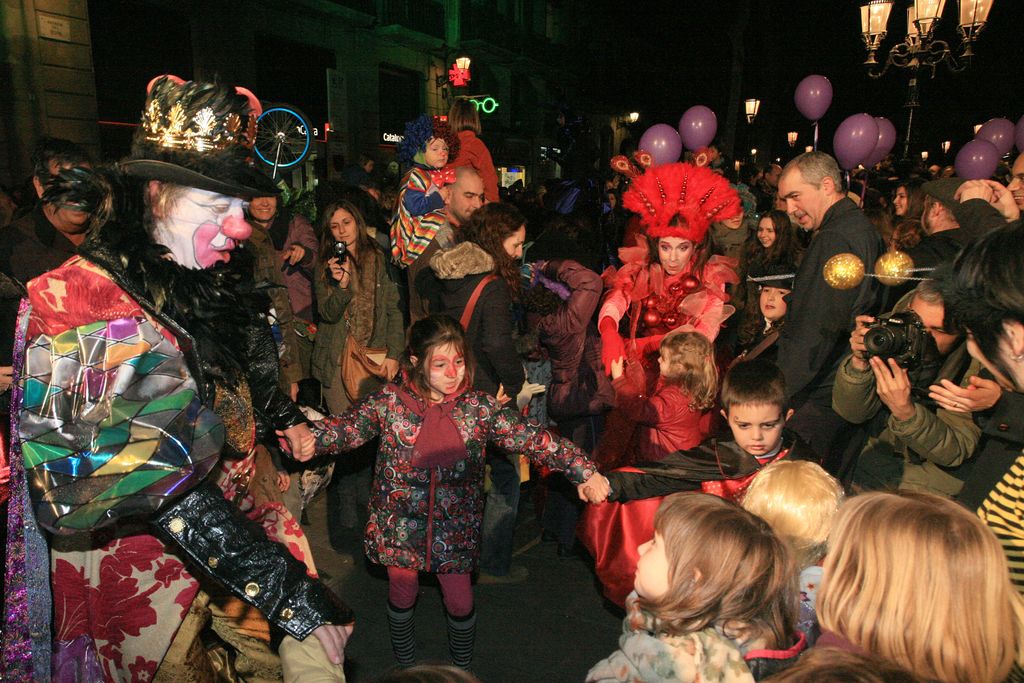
(820, 317)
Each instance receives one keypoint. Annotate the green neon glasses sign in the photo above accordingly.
(487, 104)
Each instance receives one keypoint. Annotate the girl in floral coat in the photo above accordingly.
(426, 504)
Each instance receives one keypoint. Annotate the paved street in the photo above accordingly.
(553, 627)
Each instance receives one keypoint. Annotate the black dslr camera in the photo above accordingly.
(900, 335)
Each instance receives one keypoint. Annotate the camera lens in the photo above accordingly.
(884, 341)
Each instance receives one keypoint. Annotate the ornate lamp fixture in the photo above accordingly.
(791, 137)
(920, 48)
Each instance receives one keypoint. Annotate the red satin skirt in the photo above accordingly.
(611, 532)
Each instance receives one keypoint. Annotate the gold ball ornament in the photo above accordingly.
(843, 271)
(893, 268)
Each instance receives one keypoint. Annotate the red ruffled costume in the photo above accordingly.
(674, 200)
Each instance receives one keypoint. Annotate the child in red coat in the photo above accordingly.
(676, 415)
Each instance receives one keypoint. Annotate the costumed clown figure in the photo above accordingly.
(146, 374)
(669, 279)
(428, 145)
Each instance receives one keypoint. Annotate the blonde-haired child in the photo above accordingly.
(714, 589)
(800, 501)
(921, 582)
(675, 416)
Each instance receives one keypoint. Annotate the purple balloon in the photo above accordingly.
(977, 160)
(999, 132)
(663, 142)
(886, 141)
(1019, 135)
(855, 139)
(813, 96)
(697, 127)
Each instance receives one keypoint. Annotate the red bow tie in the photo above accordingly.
(442, 177)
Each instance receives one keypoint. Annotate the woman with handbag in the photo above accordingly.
(478, 283)
(359, 339)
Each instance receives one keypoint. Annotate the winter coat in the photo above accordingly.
(647, 654)
(298, 278)
(933, 444)
(266, 272)
(429, 518)
(458, 271)
(332, 302)
(665, 421)
(29, 247)
(579, 386)
(473, 152)
(820, 317)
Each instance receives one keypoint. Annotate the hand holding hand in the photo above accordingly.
(300, 441)
(294, 254)
(981, 394)
(859, 361)
(333, 639)
(893, 386)
(617, 366)
(612, 346)
(594, 490)
(283, 481)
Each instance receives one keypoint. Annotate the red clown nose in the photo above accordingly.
(236, 228)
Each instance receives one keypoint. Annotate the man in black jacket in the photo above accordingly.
(820, 317)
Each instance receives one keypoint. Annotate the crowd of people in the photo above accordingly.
(778, 476)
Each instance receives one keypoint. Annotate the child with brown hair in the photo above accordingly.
(676, 415)
(426, 503)
(714, 599)
(754, 404)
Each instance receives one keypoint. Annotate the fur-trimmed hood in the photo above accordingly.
(461, 261)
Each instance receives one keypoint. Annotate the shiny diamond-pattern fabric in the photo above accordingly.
(111, 424)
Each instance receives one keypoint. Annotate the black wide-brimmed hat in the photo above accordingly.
(199, 135)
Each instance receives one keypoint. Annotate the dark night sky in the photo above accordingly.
(660, 57)
(671, 55)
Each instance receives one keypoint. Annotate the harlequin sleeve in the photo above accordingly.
(111, 423)
(516, 435)
(352, 428)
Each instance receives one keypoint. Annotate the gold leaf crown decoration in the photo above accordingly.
(196, 117)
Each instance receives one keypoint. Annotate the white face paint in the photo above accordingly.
(201, 228)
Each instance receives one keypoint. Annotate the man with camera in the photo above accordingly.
(883, 384)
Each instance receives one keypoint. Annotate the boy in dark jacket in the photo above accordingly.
(754, 404)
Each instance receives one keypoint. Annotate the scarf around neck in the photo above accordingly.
(439, 442)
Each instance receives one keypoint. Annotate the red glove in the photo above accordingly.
(612, 346)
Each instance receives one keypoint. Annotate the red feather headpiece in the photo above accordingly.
(690, 196)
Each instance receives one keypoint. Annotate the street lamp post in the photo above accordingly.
(920, 47)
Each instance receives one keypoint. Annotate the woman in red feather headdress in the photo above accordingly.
(669, 281)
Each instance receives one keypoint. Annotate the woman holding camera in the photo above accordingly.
(356, 299)
(359, 339)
